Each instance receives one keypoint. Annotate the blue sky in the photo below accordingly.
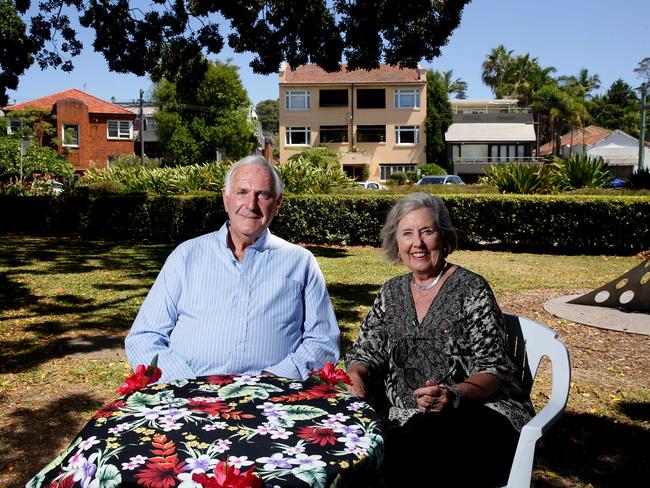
(609, 38)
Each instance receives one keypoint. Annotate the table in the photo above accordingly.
(295, 433)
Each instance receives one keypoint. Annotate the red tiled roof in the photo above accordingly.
(94, 104)
(311, 73)
(592, 133)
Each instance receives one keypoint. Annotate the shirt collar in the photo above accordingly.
(260, 244)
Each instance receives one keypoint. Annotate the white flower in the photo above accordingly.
(296, 386)
(279, 433)
(187, 481)
(239, 462)
(88, 443)
(222, 445)
(305, 462)
(292, 451)
(246, 379)
(277, 460)
(356, 406)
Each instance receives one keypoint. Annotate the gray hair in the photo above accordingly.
(408, 204)
(278, 185)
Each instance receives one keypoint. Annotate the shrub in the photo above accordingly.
(132, 160)
(398, 177)
(580, 171)
(519, 178)
(320, 156)
(431, 169)
(40, 160)
(640, 179)
(300, 176)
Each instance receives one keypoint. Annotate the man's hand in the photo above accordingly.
(358, 375)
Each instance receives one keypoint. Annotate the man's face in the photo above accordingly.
(250, 202)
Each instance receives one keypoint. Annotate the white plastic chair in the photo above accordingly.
(529, 341)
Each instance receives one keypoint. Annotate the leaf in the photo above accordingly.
(313, 477)
(138, 399)
(235, 390)
(303, 412)
(109, 477)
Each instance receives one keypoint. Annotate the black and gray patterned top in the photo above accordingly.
(462, 334)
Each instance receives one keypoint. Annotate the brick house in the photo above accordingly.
(374, 119)
(89, 131)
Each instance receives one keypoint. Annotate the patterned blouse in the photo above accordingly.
(462, 334)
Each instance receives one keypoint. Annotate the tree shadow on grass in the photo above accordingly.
(347, 301)
(594, 450)
(31, 434)
(328, 252)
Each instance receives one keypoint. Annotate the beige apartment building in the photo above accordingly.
(374, 119)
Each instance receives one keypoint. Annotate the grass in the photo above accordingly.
(54, 291)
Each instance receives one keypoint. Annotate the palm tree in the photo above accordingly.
(457, 86)
(494, 67)
(522, 78)
(583, 81)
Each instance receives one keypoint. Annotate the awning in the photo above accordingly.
(488, 132)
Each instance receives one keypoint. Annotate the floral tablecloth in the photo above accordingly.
(294, 433)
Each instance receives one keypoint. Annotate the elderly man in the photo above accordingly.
(238, 300)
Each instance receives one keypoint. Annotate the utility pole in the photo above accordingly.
(644, 106)
(141, 128)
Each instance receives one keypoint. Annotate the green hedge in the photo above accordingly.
(573, 224)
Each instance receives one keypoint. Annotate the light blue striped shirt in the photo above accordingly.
(207, 313)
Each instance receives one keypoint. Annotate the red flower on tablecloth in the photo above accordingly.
(228, 477)
(67, 482)
(318, 435)
(108, 409)
(203, 404)
(331, 376)
(161, 471)
(220, 379)
(142, 377)
(317, 391)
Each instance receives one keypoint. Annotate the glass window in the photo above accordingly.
(14, 126)
(371, 133)
(333, 133)
(119, 129)
(385, 170)
(333, 98)
(298, 136)
(407, 134)
(298, 100)
(70, 135)
(371, 98)
(407, 98)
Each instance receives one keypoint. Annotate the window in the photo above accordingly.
(333, 98)
(333, 133)
(407, 98)
(407, 134)
(371, 133)
(385, 170)
(70, 135)
(298, 136)
(14, 126)
(120, 129)
(371, 98)
(298, 100)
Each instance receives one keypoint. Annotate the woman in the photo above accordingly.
(434, 342)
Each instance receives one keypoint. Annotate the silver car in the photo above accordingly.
(441, 180)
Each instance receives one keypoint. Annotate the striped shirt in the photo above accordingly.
(207, 313)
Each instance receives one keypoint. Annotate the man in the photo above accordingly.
(238, 300)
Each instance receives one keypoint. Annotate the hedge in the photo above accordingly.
(567, 224)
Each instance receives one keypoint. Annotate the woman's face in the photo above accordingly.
(418, 241)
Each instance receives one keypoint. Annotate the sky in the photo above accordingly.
(608, 38)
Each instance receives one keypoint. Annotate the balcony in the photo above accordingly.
(480, 164)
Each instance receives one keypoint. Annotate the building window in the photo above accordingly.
(298, 100)
(333, 98)
(407, 134)
(385, 170)
(120, 129)
(333, 134)
(371, 133)
(14, 126)
(298, 136)
(70, 135)
(407, 98)
(371, 98)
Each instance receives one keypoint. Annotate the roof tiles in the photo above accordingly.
(311, 73)
(94, 104)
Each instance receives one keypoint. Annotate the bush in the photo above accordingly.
(132, 160)
(300, 176)
(580, 171)
(38, 161)
(431, 169)
(320, 156)
(640, 179)
(398, 177)
(519, 178)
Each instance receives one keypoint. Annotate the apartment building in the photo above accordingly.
(374, 119)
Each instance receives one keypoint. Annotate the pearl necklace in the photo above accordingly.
(434, 282)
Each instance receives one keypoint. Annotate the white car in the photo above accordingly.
(370, 185)
(441, 180)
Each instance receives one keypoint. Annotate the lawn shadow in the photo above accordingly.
(328, 252)
(595, 450)
(349, 302)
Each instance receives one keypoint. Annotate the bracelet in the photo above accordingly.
(455, 389)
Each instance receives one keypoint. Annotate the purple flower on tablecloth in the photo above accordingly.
(176, 413)
(296, 386)
(88, 443)
(168, 424)
(202, 464)
(273, 411)
(305, 462)
(239, 462)
(149, 413)
(348, 429)
(279, 433)
(74, 461)
(356, 406)
(246, 379)
(222, 445)
(277, 460)
(134, 462)
(292, 451)
(85, 470)
(353, 440)
(119, 428)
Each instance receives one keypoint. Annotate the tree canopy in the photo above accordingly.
(268, 113)
(439, 116)
(164, 38)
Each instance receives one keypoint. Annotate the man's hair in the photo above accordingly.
(278, 185)
(408, 204)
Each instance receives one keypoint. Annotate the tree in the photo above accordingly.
(268, 113)
(15, 48)
(164, 38)
(194, 122)
(618, 108)
(583, 83)
(439, 117)
(457, 86)
(494, 67)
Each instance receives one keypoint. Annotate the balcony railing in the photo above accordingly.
(496, 160)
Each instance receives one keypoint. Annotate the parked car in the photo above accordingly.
(370, 185)
(441, 180)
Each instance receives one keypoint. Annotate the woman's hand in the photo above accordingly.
(432, 397)
(358, 374)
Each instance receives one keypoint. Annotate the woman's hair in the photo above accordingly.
(407, 204)
(278, 185)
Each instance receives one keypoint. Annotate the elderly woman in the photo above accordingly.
(434, 342)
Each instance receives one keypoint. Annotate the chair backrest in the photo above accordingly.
(528, 342)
